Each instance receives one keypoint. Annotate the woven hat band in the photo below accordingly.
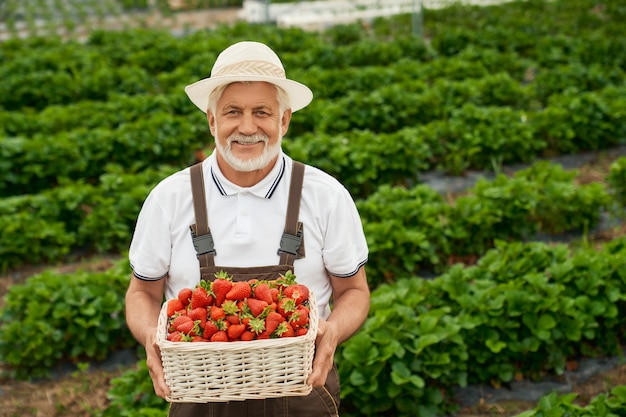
(250, 68)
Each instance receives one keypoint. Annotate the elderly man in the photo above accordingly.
(240, 200)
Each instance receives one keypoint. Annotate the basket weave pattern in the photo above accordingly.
(234, 371)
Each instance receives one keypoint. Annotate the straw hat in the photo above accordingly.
(248, 61)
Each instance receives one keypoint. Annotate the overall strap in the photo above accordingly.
(292, 236)
(200, 233)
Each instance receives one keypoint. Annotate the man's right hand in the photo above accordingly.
(155, 366)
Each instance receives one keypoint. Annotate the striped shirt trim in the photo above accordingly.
(353, 273)
(277, 180)
(145, 278)
(217, 183)
(270, 192)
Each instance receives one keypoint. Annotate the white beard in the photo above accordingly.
(247, 165)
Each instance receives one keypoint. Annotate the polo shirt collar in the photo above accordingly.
(263, 189)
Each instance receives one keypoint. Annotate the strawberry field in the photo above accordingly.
(516, 276)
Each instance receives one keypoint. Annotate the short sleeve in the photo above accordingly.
(345, 247)
(150, 248)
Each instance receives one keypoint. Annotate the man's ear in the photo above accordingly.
(285, 120)
(211, 119)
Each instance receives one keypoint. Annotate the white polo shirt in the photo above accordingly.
(247, 224)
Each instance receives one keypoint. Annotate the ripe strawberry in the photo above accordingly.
(173, 306)
(286, 306)
(272, 321)
(199, 314)
(200, 298)
(302, 331)
(298, 292)
(230, 307)
(235, 331)
(188, 328)
(257, 325)
(220, 287)
(256, 306)
(247, 336)
(184, 295)
(262, 292)
(220, 336)
(175, 336)
(216, 313)
(275, 294)
(180, 320)
(284, 329)
(233, 319)
(240, 291)
(300, 317)
(231, 311)
(210, 328)
(198, 339)
(263, 335)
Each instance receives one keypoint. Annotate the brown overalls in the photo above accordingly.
(322, 401)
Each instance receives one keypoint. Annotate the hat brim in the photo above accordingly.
(299, 94)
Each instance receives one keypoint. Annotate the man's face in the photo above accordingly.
(247, 125)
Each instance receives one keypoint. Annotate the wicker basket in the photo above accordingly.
(233, 371)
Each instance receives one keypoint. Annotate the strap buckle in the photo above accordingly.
(203, 244)
(290, 243)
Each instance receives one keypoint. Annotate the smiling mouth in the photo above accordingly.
(244, 140)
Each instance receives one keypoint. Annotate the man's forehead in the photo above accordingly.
(257, 94)
(248, 86)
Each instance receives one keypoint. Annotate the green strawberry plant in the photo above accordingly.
(405, 355)
(610, 404)
(53, 318)
(405, 228)
(523, 310)
(132, 395)
(45, 227)
(409, 229)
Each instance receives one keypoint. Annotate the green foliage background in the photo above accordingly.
(87, 128)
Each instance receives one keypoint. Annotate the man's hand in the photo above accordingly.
(155, 366)
(143, 306)
(350, 307)
(326, 344)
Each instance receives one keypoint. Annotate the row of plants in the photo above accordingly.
(522, 311)
(611, 404)
(473, 135)
(155, 62)
(53, 319)
(43, 162)
(129, 398)
(74, 217)
(40, 18)
(408, 228)
(474, 123)
(413, 229)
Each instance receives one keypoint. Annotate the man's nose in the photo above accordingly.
(247, 125)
